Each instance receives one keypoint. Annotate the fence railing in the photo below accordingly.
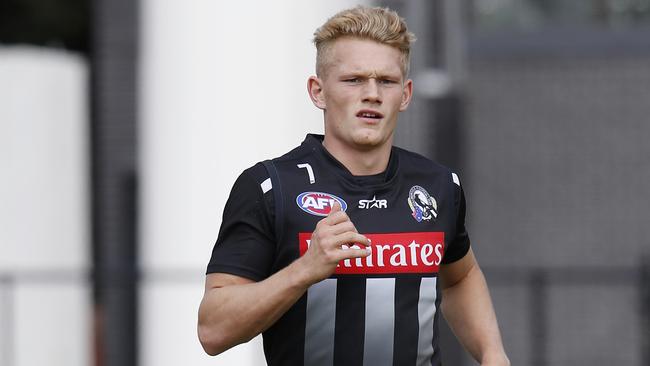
(537, 281)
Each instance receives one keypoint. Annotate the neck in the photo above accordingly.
(360, 161)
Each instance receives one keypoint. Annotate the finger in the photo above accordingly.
(336, 217)
(350, 238)
(351, 253)
(343, 227)
(335, 208)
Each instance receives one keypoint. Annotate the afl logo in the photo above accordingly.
(424, 206)
(319, 203)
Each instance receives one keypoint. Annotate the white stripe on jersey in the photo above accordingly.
(266, 185)
(380, 322)
(454, 177)
(320, 322)
(426, 314)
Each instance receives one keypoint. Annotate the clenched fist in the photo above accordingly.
(331, 243)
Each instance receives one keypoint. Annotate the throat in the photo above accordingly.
(367, 165)
(361, 162)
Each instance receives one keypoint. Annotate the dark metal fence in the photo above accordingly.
(538, 282)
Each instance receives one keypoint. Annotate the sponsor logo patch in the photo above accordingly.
(423, 206)
(319, 203)
(373, 203)
(417, 252)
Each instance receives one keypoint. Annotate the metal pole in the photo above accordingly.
(644, 309)
(538, 317)
(448, 107)
(416, 126)
(432, 124)
(114, 179)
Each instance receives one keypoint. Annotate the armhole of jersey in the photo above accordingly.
(278, 201)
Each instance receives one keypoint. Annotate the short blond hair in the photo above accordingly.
(374, 23)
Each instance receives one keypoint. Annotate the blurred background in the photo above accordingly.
(123, 125)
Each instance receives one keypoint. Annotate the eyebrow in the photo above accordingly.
(369, 75)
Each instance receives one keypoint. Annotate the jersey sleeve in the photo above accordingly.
(459, 245)
(245, 245)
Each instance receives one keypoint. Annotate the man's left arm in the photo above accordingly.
(468, 309)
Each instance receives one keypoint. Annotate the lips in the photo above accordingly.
(370, 114)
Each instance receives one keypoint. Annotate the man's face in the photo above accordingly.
(362, 91)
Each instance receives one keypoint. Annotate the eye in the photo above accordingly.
(386, 81)
(352, 80)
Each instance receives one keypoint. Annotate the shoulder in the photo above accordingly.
(259, 178)
(415, 161)
(252, 177)
(297, 153)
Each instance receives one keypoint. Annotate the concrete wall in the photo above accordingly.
(44, 235)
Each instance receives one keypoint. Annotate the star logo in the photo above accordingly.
(373, 203)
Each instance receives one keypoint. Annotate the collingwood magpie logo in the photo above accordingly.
(424, 206)
(373, 203)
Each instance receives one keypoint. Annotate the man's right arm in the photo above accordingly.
(235, 309)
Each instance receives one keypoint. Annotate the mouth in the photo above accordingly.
(369, 115)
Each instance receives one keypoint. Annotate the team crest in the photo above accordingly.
(424, 206)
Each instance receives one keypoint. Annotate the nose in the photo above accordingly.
(371, 92)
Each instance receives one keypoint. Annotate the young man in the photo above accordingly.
(341, 250)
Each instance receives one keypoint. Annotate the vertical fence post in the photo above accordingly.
(644, 309)
(115, 52)
(538, 317)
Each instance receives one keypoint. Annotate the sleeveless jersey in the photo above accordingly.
(378, 310)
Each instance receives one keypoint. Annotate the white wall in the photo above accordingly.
(43, 208)
(223, 86)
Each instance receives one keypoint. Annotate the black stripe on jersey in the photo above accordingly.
(405, 345)
(287, 331)
(350, 321)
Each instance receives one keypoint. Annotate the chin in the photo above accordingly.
(369, 140)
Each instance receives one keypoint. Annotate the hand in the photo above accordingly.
(326, 249)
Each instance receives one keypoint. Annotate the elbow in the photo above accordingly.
(215, 340)
(212, 341)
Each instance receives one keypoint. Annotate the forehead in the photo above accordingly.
(354, 55)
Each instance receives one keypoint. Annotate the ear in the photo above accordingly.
(315, 89)
(407, 93)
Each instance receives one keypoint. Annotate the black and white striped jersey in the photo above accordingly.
(378, 310)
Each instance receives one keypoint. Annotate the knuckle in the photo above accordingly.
(325, 242)
(330, 256)
(341, 215)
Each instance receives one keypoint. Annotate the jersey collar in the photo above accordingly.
(315, 143)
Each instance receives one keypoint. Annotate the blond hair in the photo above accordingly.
(374, 23)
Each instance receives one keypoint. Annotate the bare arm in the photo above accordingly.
(235, 309)
(468, 309)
